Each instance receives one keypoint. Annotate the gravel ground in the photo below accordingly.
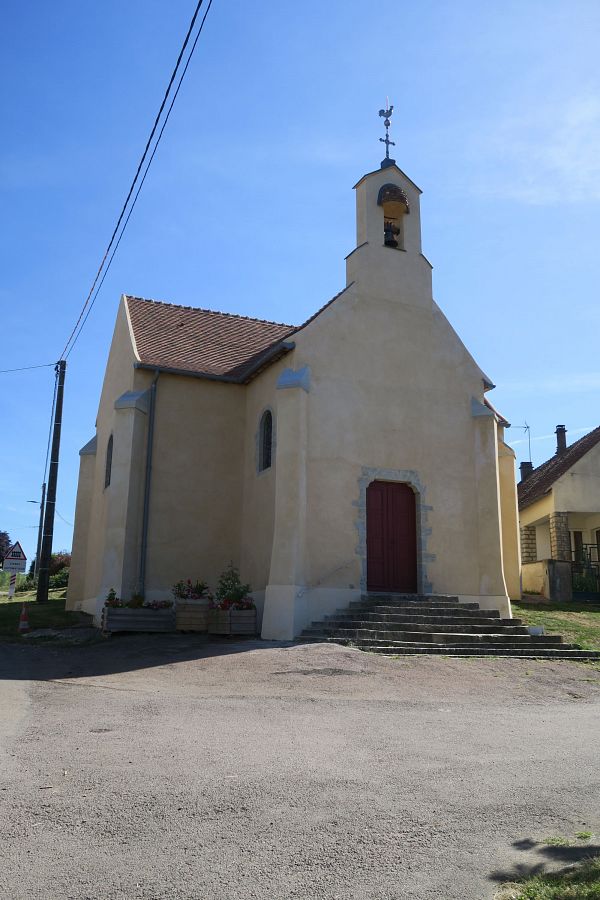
(166, 767)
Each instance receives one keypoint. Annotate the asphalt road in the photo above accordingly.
(164, 767)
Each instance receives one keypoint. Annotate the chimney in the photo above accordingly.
(561, 439)
(526, 470)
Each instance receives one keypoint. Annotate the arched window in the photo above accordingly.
(107, 470)
(265, 441)
(395, 207)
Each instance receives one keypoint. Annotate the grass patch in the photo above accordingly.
(556, 842)
(579, 623)
(41, 615)
(583, 835)
(580, 883)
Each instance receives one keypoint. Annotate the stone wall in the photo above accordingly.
(560, 540)
(528, 544)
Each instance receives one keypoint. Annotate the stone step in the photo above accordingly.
(333, 625)
(364, 636)
(409, 624)
(408, 618)
(371, 595)
(465, 609)
(534, 651)
(419, 609)
(563, 652)
(392, 602)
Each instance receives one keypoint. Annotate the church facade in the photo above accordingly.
(355, 452)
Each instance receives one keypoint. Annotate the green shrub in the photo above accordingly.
(230, 586)
(27, 584)
(586, 582)
(60, 580)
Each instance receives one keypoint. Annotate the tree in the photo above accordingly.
(59, 561)
(5, 543)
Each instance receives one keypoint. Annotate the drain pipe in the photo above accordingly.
(141, 584)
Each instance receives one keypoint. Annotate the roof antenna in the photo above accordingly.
(527, 429)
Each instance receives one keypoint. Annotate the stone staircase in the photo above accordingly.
(407, 624)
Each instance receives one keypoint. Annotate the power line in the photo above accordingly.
(70, 524)
(140, 186)
(27, 368)
(139, 168)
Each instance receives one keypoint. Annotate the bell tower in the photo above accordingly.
(388, 256)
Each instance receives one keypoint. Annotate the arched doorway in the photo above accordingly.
(391, 537)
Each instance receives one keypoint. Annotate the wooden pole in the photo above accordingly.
(47, 537)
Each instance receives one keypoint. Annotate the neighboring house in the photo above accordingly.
(559, 517)
(354, 452)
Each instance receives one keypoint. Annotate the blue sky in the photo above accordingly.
(249, 205)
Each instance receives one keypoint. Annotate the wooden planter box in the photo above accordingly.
(192, 615)
(124, 619)
(232, 621)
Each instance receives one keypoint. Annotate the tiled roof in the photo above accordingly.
(541, 479)
(499, 417)
(202, 342)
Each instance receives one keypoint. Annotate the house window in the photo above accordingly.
(578, 551)
(107, 470)
(265, 441)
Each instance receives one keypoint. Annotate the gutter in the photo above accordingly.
(271, 355)
(141, 582)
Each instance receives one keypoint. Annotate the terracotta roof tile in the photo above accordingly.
(543, 477)
(200, 341)
(499, 417)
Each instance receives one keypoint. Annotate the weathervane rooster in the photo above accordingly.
(386, 115)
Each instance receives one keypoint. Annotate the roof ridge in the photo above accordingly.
(322, 308)
(213, 312)
(541, 479)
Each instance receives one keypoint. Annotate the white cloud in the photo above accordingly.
(547, 437)
(546, 154)
(576, 382)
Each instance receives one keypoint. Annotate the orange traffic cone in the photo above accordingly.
(23, 620)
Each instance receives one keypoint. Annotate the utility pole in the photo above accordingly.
(36, 565)
(48, 531)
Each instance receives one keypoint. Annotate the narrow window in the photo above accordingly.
(265, 447)
(109, 449)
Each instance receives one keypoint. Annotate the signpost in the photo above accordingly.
(14, 561)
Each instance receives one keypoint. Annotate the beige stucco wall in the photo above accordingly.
(535, 578)
(258, 512)
(587, 523)
(578, 490)
(87, 562)
(391, 393)
(195, 516)
(196, 497)
(511, 547)
(79, 553)
(538, 511)
(542, 541)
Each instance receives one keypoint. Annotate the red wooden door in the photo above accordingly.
(391, 537)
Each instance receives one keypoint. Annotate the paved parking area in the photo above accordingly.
(165, 767)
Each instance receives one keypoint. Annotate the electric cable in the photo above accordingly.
(137, 194)
(70, 524)
(139, 168)
(27, 368)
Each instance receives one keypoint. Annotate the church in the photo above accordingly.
(356, 452)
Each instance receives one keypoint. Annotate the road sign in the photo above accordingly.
(15, 560)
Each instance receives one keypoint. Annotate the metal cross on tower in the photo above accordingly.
(386, 114)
